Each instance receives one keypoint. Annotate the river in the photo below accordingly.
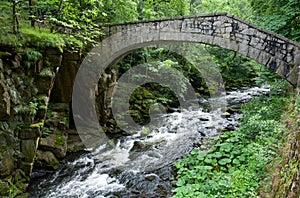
(141, 165)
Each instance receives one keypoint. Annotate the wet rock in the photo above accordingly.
(46, 159)
(229, 127)
(202, 132)
(151, 177)
(74, 142)
(56, 143)
(204, 119)
(225, 115)
(231, 110)
(138, 146)
(16, 61)
(28, 149)
(26, 167)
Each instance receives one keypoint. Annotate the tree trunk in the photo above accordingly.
(14, 13)
(32, 20)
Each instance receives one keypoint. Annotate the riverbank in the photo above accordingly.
(141, 165)
(239, 163)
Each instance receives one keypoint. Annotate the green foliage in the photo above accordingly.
(281, 16)
(42, 39)
(157, 9)
(46, 72)
(236, 69)
(31, 56)
(241, 8)
(146, 96)
(46, 132)
(33, 107)
(234, 166)
(265, 75)
(120, 10)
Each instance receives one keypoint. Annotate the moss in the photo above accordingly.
(59, 140)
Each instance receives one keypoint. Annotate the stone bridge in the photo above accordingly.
(279, 54)
(276, 52)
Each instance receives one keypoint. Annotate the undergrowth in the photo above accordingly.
(235, 165)
(40, 38)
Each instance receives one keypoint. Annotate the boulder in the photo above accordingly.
(56, 143)
(46, 159)
(74, 142)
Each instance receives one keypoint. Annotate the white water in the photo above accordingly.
(112, 167)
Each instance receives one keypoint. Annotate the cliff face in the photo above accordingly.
(36, 128)
(31, 131)
(25, 83)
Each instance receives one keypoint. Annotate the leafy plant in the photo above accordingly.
(46, 132)
(46, 72)
(234, 166)
(33, 107)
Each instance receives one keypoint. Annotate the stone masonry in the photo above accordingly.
(278, 53)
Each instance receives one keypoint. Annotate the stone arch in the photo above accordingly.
(274, 51)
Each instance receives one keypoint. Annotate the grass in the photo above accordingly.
(34, 37)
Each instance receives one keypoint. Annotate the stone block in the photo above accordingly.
(44, 84)
(28, 149)
(53, 51)
(54, 60)
(46, 159)
(56, 143)
(29, 134)
(72, 56)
